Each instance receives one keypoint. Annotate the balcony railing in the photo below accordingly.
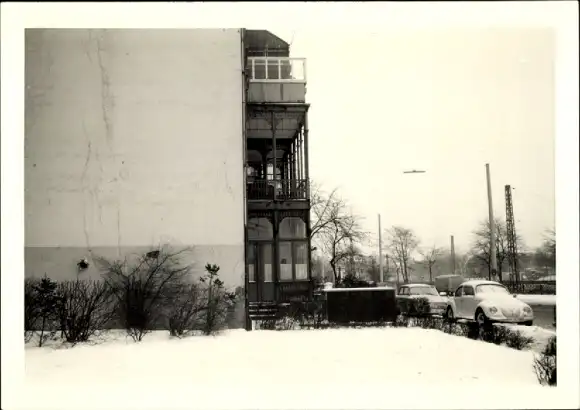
(277, 69)
(279, 189)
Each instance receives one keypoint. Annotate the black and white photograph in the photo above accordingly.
(294, 205)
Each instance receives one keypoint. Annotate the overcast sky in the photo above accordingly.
(442, 100)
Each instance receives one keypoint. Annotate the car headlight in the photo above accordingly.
(527, 310)
(493, 310)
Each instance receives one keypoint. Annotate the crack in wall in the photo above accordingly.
(107, 106)
(106, 99)
(84, 186)
(227, 180)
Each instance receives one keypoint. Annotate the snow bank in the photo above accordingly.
(548, 300)
(389, 368)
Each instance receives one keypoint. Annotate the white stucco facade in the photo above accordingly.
(133, 139)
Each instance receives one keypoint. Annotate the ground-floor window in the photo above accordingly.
(259, 261)
(293, 260)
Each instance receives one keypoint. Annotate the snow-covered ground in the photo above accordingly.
(334, 368)
(548, 300)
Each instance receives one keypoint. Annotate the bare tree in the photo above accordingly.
(324, 209)
(402, 242)
(482, 243)
(339, 238)
(549, 245)
(430, 257)
(545, 255)
(335, 229)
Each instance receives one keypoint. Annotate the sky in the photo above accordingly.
(443, 100)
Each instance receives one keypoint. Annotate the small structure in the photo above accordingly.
(360, 305)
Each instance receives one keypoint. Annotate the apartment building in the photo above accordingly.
(193, 138)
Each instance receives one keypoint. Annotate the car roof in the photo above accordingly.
(480, 282)
(416, 285)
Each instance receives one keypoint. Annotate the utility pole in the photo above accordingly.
(511, 237)
(381, 278)
(492, 250)
(452, 255)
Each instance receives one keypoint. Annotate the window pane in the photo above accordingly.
(259, 69)
(266, 257)
(292, 228)
(285, 255)
(301, 252)
(273, 70)
(260, 228)
(251, 264)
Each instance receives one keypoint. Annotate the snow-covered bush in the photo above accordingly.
(84, 308)
(502, 335)
(415, 306)
(545, 364)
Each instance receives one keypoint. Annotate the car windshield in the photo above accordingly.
(423, 290)
(492, 289)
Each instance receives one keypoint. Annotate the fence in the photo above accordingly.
(532, 287)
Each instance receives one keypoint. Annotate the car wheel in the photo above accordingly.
(529, 323)
(481, 319)
(482, 324)
(449, 315)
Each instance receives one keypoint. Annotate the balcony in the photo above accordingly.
(279, 190)
(276, 80)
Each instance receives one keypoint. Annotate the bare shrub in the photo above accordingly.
(139, 287)
(401, 321)
(185, 310)
(216, 300)
(545, 364)
(85, 307)
(502, 335)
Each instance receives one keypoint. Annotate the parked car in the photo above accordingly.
(486, 302)
(413, 292)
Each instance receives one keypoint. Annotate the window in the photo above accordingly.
(251, 263)
(259, 69)
(285, 259)
(402, 290)
(459, 292)
(424, 290)
(266, 260)
(260, 228)
(301, 252)
(293, 260)
(468, 291)
(492, 289)
(292, 228)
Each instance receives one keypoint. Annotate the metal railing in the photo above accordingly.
(277, 69)
(278, 189)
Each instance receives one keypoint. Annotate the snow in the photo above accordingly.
(548, 300)
(334, 368)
